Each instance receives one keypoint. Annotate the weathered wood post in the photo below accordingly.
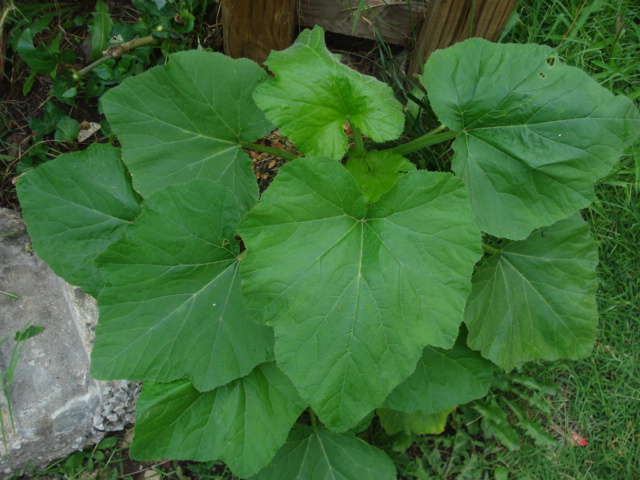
(451, 21)
(252, 28)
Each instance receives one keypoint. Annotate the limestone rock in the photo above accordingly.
(57, 407)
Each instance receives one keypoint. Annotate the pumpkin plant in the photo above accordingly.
(342, 288)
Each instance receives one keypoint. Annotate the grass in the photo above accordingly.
(601, 394)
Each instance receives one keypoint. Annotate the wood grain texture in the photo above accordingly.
(398, 21)
(252, 28)
(452, 21)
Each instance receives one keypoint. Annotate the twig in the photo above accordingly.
(116, 51)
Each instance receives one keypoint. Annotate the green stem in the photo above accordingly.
(117, 51)
(9, 294)
(88, 68)
(273, 151)
(426, 140)
(314, 419)
(487, 249)
(357, 140)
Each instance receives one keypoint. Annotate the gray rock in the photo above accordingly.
(57, 407)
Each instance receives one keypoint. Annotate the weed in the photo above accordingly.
(7, 376)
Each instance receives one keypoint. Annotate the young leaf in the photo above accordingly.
(496, 420)
(28, 332)
(39, 59)
(535, 134)
(74, 207)
(186, 120)
(67, 129)
(172, 308)
(243, 423)
(416, 423)
(318, 453)
(47, 124)
(442, 379)
(355, 293)
(532, 428)
(536, 298)
(377, 172)
(313, 95)
(100, 28)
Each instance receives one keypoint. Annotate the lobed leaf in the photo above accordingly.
(172, 307)
(495, 422)
(74, 207)
(535, 134)
(243, 423)
(187, 119)
(313, 95)
(353, 292)
(442, 379)
(320, 453)
(535, 300)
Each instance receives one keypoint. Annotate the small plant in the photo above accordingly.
(8, 374)
(342, 288)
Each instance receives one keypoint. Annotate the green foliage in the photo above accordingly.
(8, 373)
(81, 219)
(100, 28)
(413, 423)
(243, 423)
(194, 126)
(518, 312)
(177, 337)
(363, 274)
(354, 323)
(339, 94)
(45, 40)
(528, 159)
(320, 453)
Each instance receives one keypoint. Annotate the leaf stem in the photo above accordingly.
(273, 151)
(434, 136)
(488, 249)
(314, 419)
(359, 149)
(95, 64)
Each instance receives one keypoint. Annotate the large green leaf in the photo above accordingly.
(186, 120)
(243, 423)
(536, 298)
(355, 293)
(535, 134)
(75, 206)
(172, 308)
(313, 95)
(320, 454)
(442, 379)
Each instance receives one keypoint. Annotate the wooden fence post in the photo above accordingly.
(252, 28)
(450, 21)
